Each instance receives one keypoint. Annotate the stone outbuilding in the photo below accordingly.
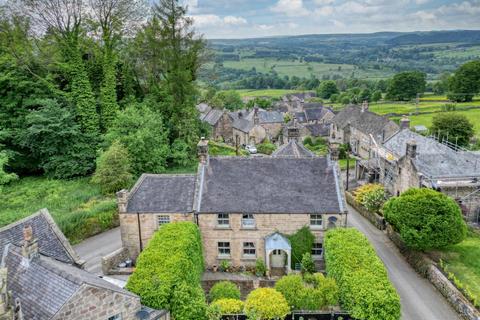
(44, 282)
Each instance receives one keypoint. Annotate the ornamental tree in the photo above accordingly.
(228, 306)
(266, 304)
(224, 290)
(426, 219)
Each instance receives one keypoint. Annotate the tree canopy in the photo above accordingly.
(406, 85)
(453, 127)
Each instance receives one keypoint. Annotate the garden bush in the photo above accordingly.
(224, 290)
(364, 191)
(266, 304)
(229, 306)
(301, 243)
(313, 292)
(364, 288)
(260, 267)
(308, 265)
(266, 147)
(168, 271)
(426, 219)
(188, 302)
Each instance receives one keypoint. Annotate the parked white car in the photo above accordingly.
(251, 149)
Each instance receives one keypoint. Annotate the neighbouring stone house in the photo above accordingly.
(357, 126)
(314, 121)
(220, 121)
(408, 159)
(40, 279)
(243, 205)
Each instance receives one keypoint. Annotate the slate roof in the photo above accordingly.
(315, 105)
(368, 122)
(162, 193)
(318, 129)
(44, 285)
(212, 116)
(433, 158)
(293, 149)
(51, 240)
(301, 117)
(203, 108)
(243, 124)
(314, 114)
(270, 116)
(269, 185)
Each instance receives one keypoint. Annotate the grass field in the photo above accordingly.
(303, 69)
(271, 93)
(76, 205)
(463, 260)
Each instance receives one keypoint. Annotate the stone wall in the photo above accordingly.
(376, 219)
(92, 303)
(111, 261)
(224, 129)
(427, 268)
(265, 224)
(148, 225)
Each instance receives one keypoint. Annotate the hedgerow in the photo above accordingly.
(364, 288)
(168, 271)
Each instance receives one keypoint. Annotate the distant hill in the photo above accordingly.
(468, 36)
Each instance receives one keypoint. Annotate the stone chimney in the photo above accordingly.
(30, 245)
(334, 152)
(240, 114)
(404, 123)
(256, 119)
(122, 200)
(365, 106)
(5, 312)
(202, 150)
(411, 149)
(18, 310)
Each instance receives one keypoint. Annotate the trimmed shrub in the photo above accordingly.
(229, 306)
(364, 288)
(266, 147)
(171, 262)
(301, 242)
(188, 302)
(375, 200)
(363, 191)
(224, 290)
(266, 304)
(260, 267)
(313, 292)
(426, 219)
(308, 265)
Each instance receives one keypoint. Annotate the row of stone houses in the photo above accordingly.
(243, 126)
(401, 158)
(41, 279)
(244, 206)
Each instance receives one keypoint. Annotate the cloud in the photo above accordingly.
(212, 20)
(291, 8)
(323, 2)
(324, 11)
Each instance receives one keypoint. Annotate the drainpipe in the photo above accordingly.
(139, 232)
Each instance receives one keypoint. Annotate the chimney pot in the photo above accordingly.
(202, 150)
(404, 122)
(122, 200)
(411, 149)
(27, 233)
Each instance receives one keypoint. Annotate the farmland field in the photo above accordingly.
(272, 93)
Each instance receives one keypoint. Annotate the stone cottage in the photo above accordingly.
(243, 205)
(220, 121)
(40, 279)
(357, 126)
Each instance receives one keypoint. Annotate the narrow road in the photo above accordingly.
(93, 249)
(420, 300)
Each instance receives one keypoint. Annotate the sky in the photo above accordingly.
(260, 18)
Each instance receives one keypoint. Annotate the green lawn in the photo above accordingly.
(343, 163)
(222, 149)
(272, 93)
(463, 260)
(77, 206)
(303, 69)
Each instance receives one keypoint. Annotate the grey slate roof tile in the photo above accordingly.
(270, 116)
(51, 240)
(315, 114)
(293, 149)
(162, 193)
(212, 116)
(269, 185)
(318, 129)
(243, 124)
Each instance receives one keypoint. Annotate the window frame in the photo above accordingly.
(314, 249)
(225, 218)
(222, 245)
(315, 217)
(251, 249)
(246, 219)
(161, 223)
(115, 317)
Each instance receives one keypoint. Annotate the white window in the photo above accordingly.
(223, 220)
(315, 220)
(163, 219)
(248, 221)
(115, 317)
(249, 249)
(317, 249)
(224, 248)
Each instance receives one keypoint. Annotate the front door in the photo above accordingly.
(278, 259)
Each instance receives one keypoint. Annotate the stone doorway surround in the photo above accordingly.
(277, 243)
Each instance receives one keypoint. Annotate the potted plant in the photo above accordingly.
(224, 265)
(214, 268)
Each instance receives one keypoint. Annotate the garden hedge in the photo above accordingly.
(169, 270)
(364, 288)
(224, 290)
(426, 219)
